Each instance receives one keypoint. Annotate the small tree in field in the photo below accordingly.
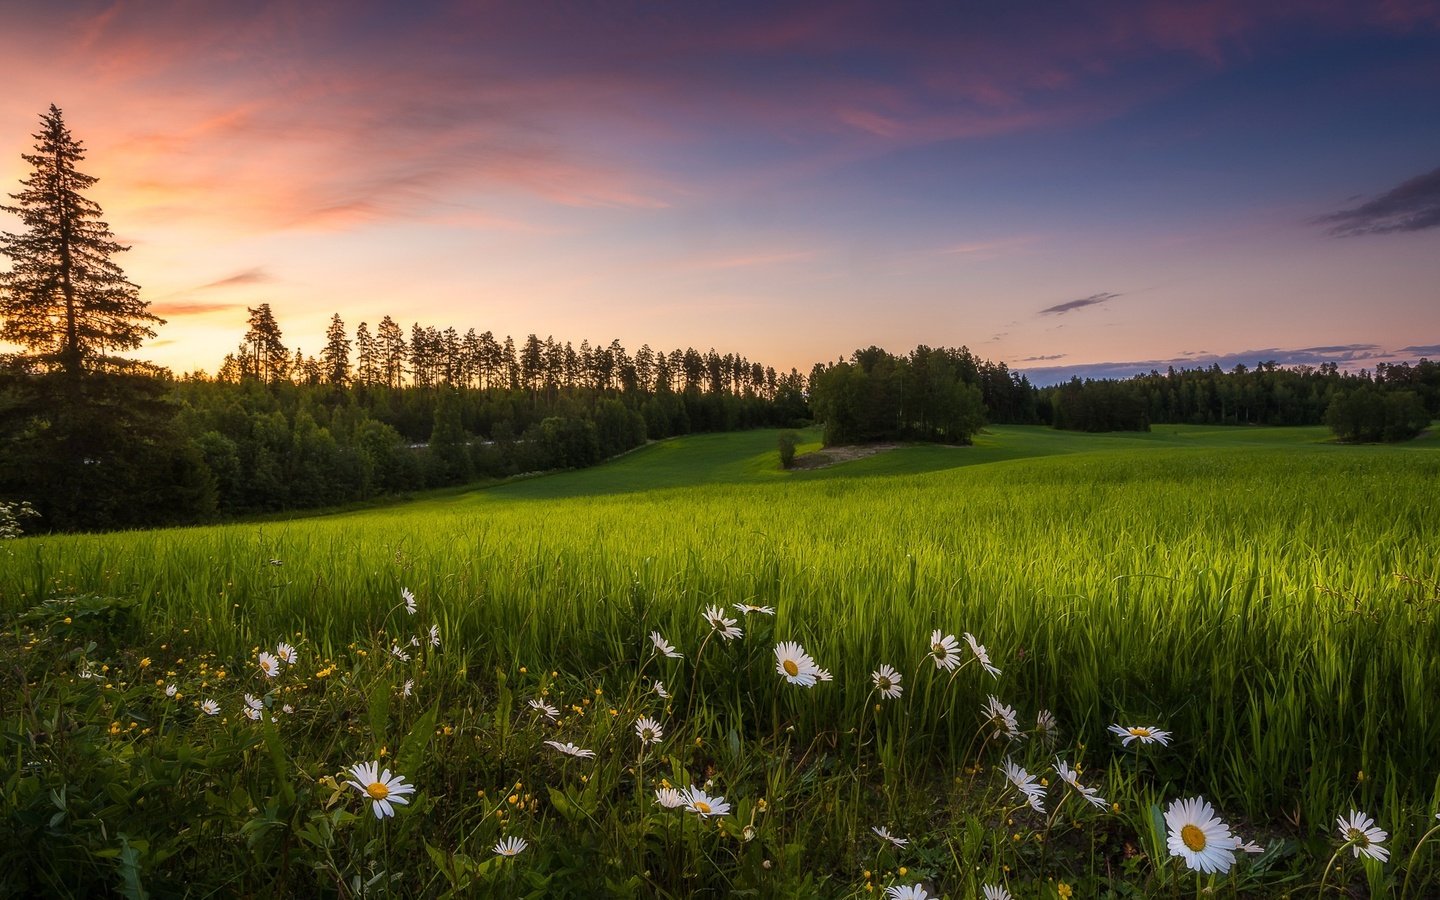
(64, 297)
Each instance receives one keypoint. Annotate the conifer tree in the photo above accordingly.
(335, 358)
(64, 297)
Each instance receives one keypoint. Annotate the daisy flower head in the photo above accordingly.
(287, 709)
(269, 664)
(792, 662)
(996, 892)
(1025, 783)
(1145, 734)
(210, 708)
(570, 749)
(409, 598)
(746, 608)
(170, 690)
(884, 834)
(1046, 726)
(1250, 847)
(670, 798)
(252, 713)
(408, 688)
(1072, 778)
(981, 654)
(435, 637)
(721, 624)
(382, 789)
(511, 846)
(660, 689)
(1003, 717)
(1360, 832)
(1199, 837)
(544, 708)
(945, 650)
(664, 647)
(887, 681)
(648, 730)
(704, 805)
(399, 653)
(286, 653)
(253, 702)
(907, 892)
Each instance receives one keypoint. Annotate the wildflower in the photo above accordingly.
(649, 731)
(399, 653)
(884, 834)
(1250, 847)
(1072, 778)
(286, 653)
(380, 787)
(511, 846)
(1199, 837)
(252, 713)
(763, 610)
(703, 805)
(1145, 734)
(409, 599)
(408, 687)
(269, 664)
(1025, 783)
(663, 646)
(544, 708)
(1046, 726)
(823, 675)
(1363, 837)
(721, 624)
(996, 892)
(669, 797)
(435, 641)
(170, 690)
(660, 689)
(887, 681)
(1003, 717)
(1065, 891)
(253, 702)
(210, 708)
(907, 892)
(795, 664)
(572, 750)
(287, 709)
(981, 654)
(945, 650)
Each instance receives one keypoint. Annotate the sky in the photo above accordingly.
(1079, 188)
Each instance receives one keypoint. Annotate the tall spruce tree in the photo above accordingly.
(64, 298)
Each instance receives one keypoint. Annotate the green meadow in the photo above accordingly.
(1268, 597)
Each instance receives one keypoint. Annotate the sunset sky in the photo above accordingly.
(1077, 187)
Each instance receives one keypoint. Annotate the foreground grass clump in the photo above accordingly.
(1266, 600)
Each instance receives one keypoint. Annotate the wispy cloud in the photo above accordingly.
(239, 279)
(1048, 358)
(1411, 206)
(181, 309)
(1060, 309)
(1421, 349)
(1347, 356)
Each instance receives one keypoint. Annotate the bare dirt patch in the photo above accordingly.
(831, 456)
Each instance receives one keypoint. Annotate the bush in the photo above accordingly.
(787, 441)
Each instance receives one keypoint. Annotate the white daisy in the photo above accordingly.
(571, 750)
(945, 650)
(409, 599)
(722, 624)
(1003, 717)
(511, 846)
(702, 804)
(795, 664)
(1360, 832)
(1072, 778)
(1025, 783)
(1199, 837)
(981, 654)
(887, 681)
(170, 690)
(884, 834)
(663, 646)
(399, 653)
(435, 641)
(269, 664)
(286, 653)
(648, 730)
(253, 702)
(660, 689)
(544, 708)
(669, 797)
(907, 892)
(252, 714)
(1145, 734)
(996, 892)
(1250, 847)
(381, 788)
(287, 709)
(763, 610)
(414, 640)
(1046, 726)
(210, 708)
(408, 688)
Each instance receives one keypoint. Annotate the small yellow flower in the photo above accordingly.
(1065, 891)
(904, 871)
(145, 663)
(67, 620)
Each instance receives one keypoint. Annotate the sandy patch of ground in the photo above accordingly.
(831, 456)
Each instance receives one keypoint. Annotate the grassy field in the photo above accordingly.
(1267, 597)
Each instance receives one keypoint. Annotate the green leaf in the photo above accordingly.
(412, 749)
(129, 862)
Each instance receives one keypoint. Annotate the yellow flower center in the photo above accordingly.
(701, 806)
(377, 791)
(1193, 837)
(790, 668)
(937, 649)
(1140, 732)
(1357, 837)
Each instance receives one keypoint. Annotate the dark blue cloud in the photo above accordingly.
(1411, 206)
(1060, 309)
(1347, 356)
